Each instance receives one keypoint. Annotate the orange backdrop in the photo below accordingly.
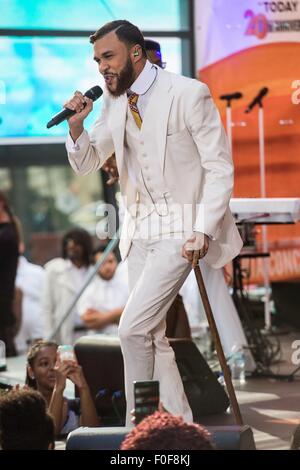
(276, 66)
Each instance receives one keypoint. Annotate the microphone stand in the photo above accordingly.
(228, 99)
(231, 96)
(229, 122)
(265, 248)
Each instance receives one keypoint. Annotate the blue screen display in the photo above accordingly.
(38, 74)
(154, 15)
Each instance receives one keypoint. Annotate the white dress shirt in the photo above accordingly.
(143, 86)
(30, 279)
(103, 295)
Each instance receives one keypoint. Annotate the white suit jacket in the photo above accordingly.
(182, 126)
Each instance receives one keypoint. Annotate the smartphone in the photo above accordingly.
(146, 398)
(66, 352)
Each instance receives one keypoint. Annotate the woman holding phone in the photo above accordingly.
(47, 373)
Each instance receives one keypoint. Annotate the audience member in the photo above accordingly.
(9, 253)
(163, 431)
(103, 301)
(153, 51)
(30, 280)
(47, 374)
(64, 278)
(24, 421)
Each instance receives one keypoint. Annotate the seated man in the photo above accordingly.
(64, 277)
(103, 301)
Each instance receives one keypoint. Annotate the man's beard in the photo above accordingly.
(124, 80)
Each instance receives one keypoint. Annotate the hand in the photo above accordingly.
(62, 370)
(19, 387)
(77, 377)
(110, 166)
(195, 248)
(82, 105)
(90, 318)
(160, 408)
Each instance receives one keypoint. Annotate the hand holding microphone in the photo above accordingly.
(77, 108)
(82, 105)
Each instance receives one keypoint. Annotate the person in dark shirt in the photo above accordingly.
(9, 253)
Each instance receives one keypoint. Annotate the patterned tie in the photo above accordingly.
(132, 101)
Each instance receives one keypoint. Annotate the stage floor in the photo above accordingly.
(271, 407)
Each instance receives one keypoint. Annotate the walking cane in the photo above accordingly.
(218, 345)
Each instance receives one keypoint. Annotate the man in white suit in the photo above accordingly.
(176, 178)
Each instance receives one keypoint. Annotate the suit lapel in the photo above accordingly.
(155, 122)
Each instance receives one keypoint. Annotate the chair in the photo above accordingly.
(110, 438)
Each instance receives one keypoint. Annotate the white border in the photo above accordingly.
(31, 140)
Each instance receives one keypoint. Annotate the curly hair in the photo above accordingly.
(24, 421)
(162, 430)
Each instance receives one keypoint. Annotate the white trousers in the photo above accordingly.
(156, 273)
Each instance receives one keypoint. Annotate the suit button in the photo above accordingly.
(146, 168)
(144, 155)
(142, 142)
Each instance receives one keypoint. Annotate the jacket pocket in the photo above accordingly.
(176, 136)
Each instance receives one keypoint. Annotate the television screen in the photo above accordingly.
(156, 15)
(38, 74)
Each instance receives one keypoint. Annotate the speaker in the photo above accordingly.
(286, 296)
(102, 363)
(205, 394)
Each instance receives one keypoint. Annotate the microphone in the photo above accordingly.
(257, 99)
(93, 93)
(232, 96)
